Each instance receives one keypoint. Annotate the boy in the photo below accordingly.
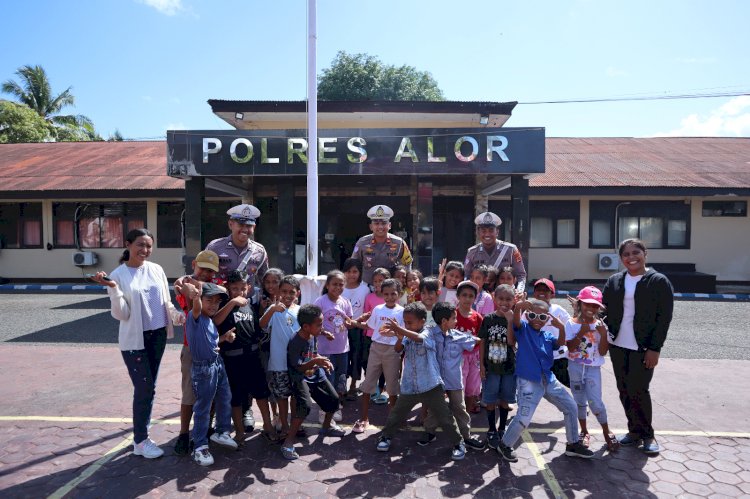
(208, 374)
(281, 320)
(242, 356)
(535, 378)
(383, 358)
(469, 321)
(307, 371)
(421, 381)
(429, 290)
(449, 345)
(498, 363)
(544, 290)
(205, 266)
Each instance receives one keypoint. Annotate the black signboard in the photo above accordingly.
(400, 151)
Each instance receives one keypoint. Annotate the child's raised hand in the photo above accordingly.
(601, 328)
(229, 336)
(389, 328)
(508, 314)
(520, 296)
(239, 301)
(364, 317)
(556, 322)
(328, 335)
(277, 305)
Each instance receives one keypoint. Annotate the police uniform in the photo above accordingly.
(231, 257)
(388, 254)
(504, 254)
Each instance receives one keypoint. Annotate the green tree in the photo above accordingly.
(18, 123)
(34, 90)
(365, 77)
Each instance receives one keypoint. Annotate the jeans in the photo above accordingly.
(143, 367)
(633, 381)
(530, 393)
(209, 383)
(356, 348)
(337, 376)
(586, 386)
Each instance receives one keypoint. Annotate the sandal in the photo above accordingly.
(360, 426)
(351, 395)
(612, 443)
(289, 453)
(381, 399)
(271, 437)
(585, 439)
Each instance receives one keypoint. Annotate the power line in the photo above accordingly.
(641, 98)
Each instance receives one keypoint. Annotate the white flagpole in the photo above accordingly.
(312, 150)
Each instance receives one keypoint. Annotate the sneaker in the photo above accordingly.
(289, 453)
(630, 439)
(337, 416)
(474, 443)
(493, 439)
(202, 456)
(332, 431)
(147, 449)
(384, 444)
(458, 452)
(650, 446)
(224, 439)
(578, 450)
(427, 439)
(182, 447)
(506, 452)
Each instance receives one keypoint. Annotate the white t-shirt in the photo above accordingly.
(357, 298)
(626, 336)
(378, 319)
(587, 352)
(563, 316)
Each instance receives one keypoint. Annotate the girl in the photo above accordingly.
(491, 283)
(337, 313)
(373, 300)
(399, 273)
(140, 300)
(505, 276)
(265, 297)
(586, 337)
(450, 275)
(483, 302)
(356, 292)
(413, 279)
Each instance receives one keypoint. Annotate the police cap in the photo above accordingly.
(380, 212)
(487, 219)
(245, 214)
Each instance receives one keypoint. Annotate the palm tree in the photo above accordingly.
(36, 92)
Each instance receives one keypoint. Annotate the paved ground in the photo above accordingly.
(64, 427)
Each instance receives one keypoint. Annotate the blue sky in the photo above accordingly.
(143, 66)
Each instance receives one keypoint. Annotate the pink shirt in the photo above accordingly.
(334, 314)
(484, 303)
(371, 302)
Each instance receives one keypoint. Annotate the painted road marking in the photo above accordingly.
(549, 477)
(59, 493)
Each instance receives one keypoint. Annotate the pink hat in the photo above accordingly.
(545, 282)
(591, 294)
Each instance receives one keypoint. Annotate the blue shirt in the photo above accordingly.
(449, 350)
(535, 353)
(202, 337)
(283, 327)
(421, 372)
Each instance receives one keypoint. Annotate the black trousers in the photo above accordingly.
(633, 380)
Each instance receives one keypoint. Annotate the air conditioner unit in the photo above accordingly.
(608, 261)
(84, 258)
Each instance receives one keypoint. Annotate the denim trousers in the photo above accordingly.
(210, 382)
(530, 393)
(586, 386)
(633, 381)
(143, 367)
(356, 349)
(337, 376)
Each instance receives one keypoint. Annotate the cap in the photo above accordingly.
(245, 214)
(380, 212)
(211, 289)
(591, 294)
(487, 219)
(547, 283)
(207, 260)
(472, 284)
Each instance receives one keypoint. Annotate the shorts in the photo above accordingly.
(280, 384)
(499, 387)
(246, 376)
(186, 365)
(383, 359)
(322, 393)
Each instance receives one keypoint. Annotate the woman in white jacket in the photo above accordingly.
(139, 293)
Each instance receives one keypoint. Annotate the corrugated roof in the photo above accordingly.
(570, 162)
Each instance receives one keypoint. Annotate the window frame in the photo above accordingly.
(96, 209)
(604, 210)
(723, 213)
(21, 217)
(556, 211)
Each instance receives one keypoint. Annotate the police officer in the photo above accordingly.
(238, 251)
(491, 251)
(380, 249)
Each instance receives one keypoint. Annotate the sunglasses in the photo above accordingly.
(533, 316)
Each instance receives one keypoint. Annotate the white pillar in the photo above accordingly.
(312, 151)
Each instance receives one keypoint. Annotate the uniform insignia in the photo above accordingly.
(487, 219)
(517, 256)
(379, 212)
(289, 320)
(246, 212)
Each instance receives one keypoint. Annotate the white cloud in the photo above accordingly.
(729, 120)
(614, 72)
(167, 7)
(175, 126)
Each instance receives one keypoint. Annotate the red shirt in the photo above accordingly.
(469, 325)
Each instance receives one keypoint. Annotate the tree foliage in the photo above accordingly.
(364, 77)
(19, 123)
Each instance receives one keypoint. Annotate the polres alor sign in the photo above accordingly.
(357, 151)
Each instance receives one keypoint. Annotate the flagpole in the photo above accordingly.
(312, 150)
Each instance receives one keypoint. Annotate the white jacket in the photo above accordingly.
(123, 297)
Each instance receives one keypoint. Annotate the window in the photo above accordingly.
(169, 233)
(502, 209)
(660, 224)
(215, 219)
(554, 224)
(100, 225)
(724, 208)
(20, 225)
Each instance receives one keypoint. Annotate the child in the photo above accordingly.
(469, 321)
(505, 276)
(429, 289)
(265, 296)
(242, 356)
(399, 273)
(483, 303)
(449, 343)
(498, 363)
(535, 378)
(544, 290)
(451, 274)
(356, 292)
(307, 371)
(587, 341)
(281, 321)
(337, 313)
(413, 280)
(421, 381)
(208, 374)
(491, 283)
(383, 357)
(373, 300)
